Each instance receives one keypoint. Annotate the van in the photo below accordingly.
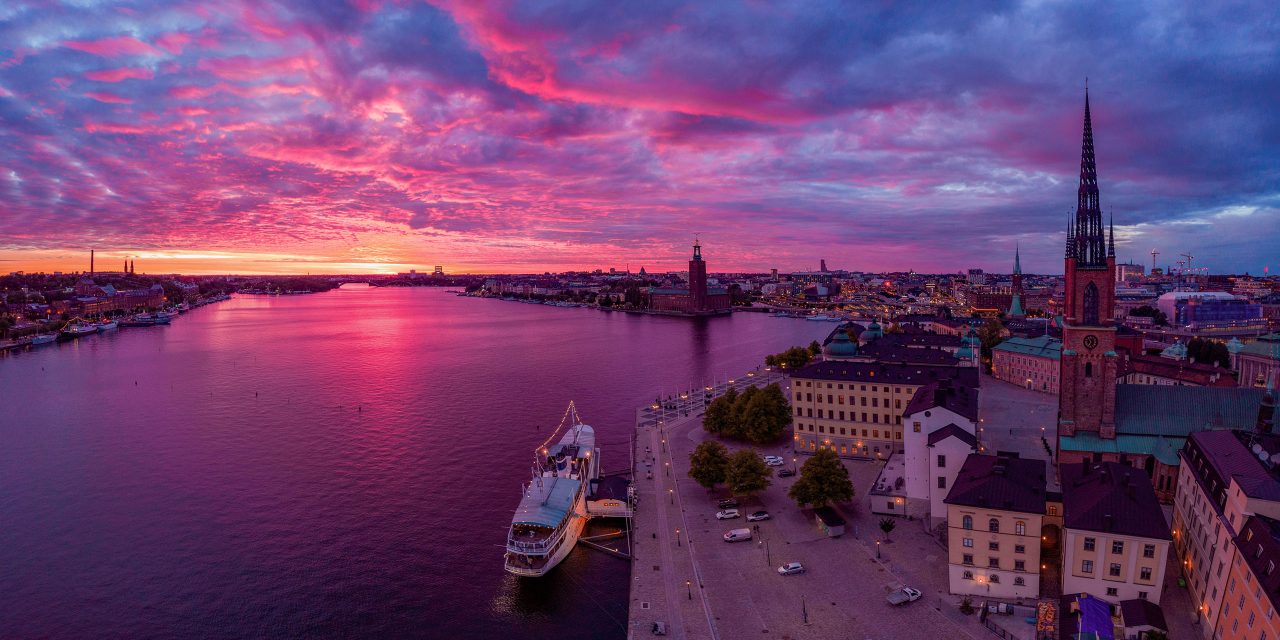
(737, 535)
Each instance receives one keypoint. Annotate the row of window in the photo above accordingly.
(831, 415)
(1144, 574)
(1117, 547)
(875, 433)
(993, 525)
(874, 388)
(994, 578)
(994, 546)
(839, 400)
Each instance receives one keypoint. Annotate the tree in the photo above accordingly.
(747, 474)
(1209, 352)
(709, 464)
(814, 349)
(990, 335)
(765, 414)
(719, 417)
(887, 525)
(794, 358)
(1147, 311)
(823, 480)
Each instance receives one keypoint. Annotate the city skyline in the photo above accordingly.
(529, 138)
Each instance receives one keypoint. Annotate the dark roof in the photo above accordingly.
(919, 339)
(853, 329)
(1194, 372)
(1110, 497)
(1231, 455)
(1004, 482)
(1167, 410)
(889, 351)
(887, 372)
(960, 399)
(1142, 613)
(1261, 533)
(942, 433)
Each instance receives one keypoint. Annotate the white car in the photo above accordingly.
(727, 514)
(758, 516)
(790, 569)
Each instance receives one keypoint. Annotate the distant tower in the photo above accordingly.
(133, 266)
(125, 268)
(697, 280)
(1015, 306)
(1087, 388)
(823, 265)
(91, 263)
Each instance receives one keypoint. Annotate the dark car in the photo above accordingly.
(727, 503)
(786, 473)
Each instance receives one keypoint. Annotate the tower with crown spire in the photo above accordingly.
(697, 280)
(1087, 389)
(1015, 306)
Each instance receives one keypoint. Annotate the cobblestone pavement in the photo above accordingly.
(1014, 419)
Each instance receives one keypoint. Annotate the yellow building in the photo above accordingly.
(1116, 541)
(995, 513)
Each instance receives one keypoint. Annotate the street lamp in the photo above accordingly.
(678, 537)
(688, 584)
(877, 549)
(671, 496)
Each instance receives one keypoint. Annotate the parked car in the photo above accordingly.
(727, 514)
(773, 463)
(737, 535)
(903, 596)
(786, 473)
(727, 503)
(758, 516)
(790, 569)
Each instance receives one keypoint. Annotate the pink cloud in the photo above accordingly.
(110, 98)
(113, 47)
(117, 75)
(173, 42)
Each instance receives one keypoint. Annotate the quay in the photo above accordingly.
(685, 577)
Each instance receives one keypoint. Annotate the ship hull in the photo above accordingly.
(573, 531)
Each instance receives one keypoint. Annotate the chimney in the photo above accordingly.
(91, 263)
(1108, 521)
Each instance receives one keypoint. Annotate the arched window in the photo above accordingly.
(1020, 528)
(967, 522)
(968, 575)
(1019, 581)
(1091, 304)
(993, 525)
(995, 579)
(1088, 369)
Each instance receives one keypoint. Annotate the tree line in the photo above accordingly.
(755, 415)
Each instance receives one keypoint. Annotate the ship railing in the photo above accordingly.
(515, 543)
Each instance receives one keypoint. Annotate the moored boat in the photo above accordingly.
(76, 329)
(107, 325)
(553, 506)
(43, 338)
(140, 320)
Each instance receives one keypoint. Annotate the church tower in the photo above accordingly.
(1015, 305)
(697, 280)
(1087, 387)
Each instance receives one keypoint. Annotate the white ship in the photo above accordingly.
(553, 506)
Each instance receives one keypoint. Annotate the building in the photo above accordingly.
(995, 512)
(1116, 540)
(1197, 310)
(697, 299)
(1258, 361)
(1034, 363)
(1225, 528)
(941, 426)
(855, 408)
(977, 277)
(1089, 363)
(1144, 369)
(1015, 303)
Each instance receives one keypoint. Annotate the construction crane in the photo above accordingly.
(1188, 256)
(1154, 253)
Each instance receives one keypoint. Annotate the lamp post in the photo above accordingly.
(688, 584)
(678, 536)
(877, 549)
(804, 610)
(671, 495)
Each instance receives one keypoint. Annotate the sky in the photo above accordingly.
(381, 136)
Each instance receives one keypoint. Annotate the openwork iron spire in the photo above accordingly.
(1111, 236)
(1089, 245)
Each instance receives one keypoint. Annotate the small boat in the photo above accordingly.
(819, 318)
(140, 320)
(163, 317)
(43, 338)
(75, 330)
(107, 325)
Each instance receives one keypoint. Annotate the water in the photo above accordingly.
(341, 464)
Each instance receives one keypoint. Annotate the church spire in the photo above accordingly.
(1088, 222)
(1071, 237)
(1111, 239)
(1017, 259)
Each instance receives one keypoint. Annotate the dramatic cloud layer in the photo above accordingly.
(531, 135)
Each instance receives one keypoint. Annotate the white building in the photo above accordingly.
(941, 420)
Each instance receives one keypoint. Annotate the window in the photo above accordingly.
(1088, 544)
(1090, 307)
(1114, 570)
(994, 563)
(967, 559)
(1145, 573)
(890, 507)
(1117, 546)
(1053, 510)
(842, 415)
(968, 575)
(1019, 565)
(993, 546)
(1142, 595)
(1112, 591)
(967, 522)
(942, 461)
(915, 426)
(1019, 548)
(1019, 581)
(993, 525)
(1020, 528)
(1148, 551)
(995, 579)
(1086, 566)
(942, 482)
(968, 542)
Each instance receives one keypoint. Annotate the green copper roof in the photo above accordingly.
(1164, 449)
(841, 346)
(1015, 307)
(1043, 347)
(1147, 409)
(1267, 346)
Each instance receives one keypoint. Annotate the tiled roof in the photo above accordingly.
(1152, 409)
(961, 400)
(892, 352)
(1164, 448)
(1000, 482)
(1228, 453)
(1110, 497)
(1043, 347)
(952, 430)
(888, 373)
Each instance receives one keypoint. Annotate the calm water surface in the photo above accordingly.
(342, 464)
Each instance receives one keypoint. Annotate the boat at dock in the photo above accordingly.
(140, 320)
(43, 338)
(107, 325)
(77, 329)
(553, 506)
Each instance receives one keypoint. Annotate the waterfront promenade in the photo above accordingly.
(734, 590)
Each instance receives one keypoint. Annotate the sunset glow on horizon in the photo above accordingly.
(377, 136)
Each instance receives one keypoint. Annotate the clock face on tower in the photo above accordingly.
(1091, 342)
